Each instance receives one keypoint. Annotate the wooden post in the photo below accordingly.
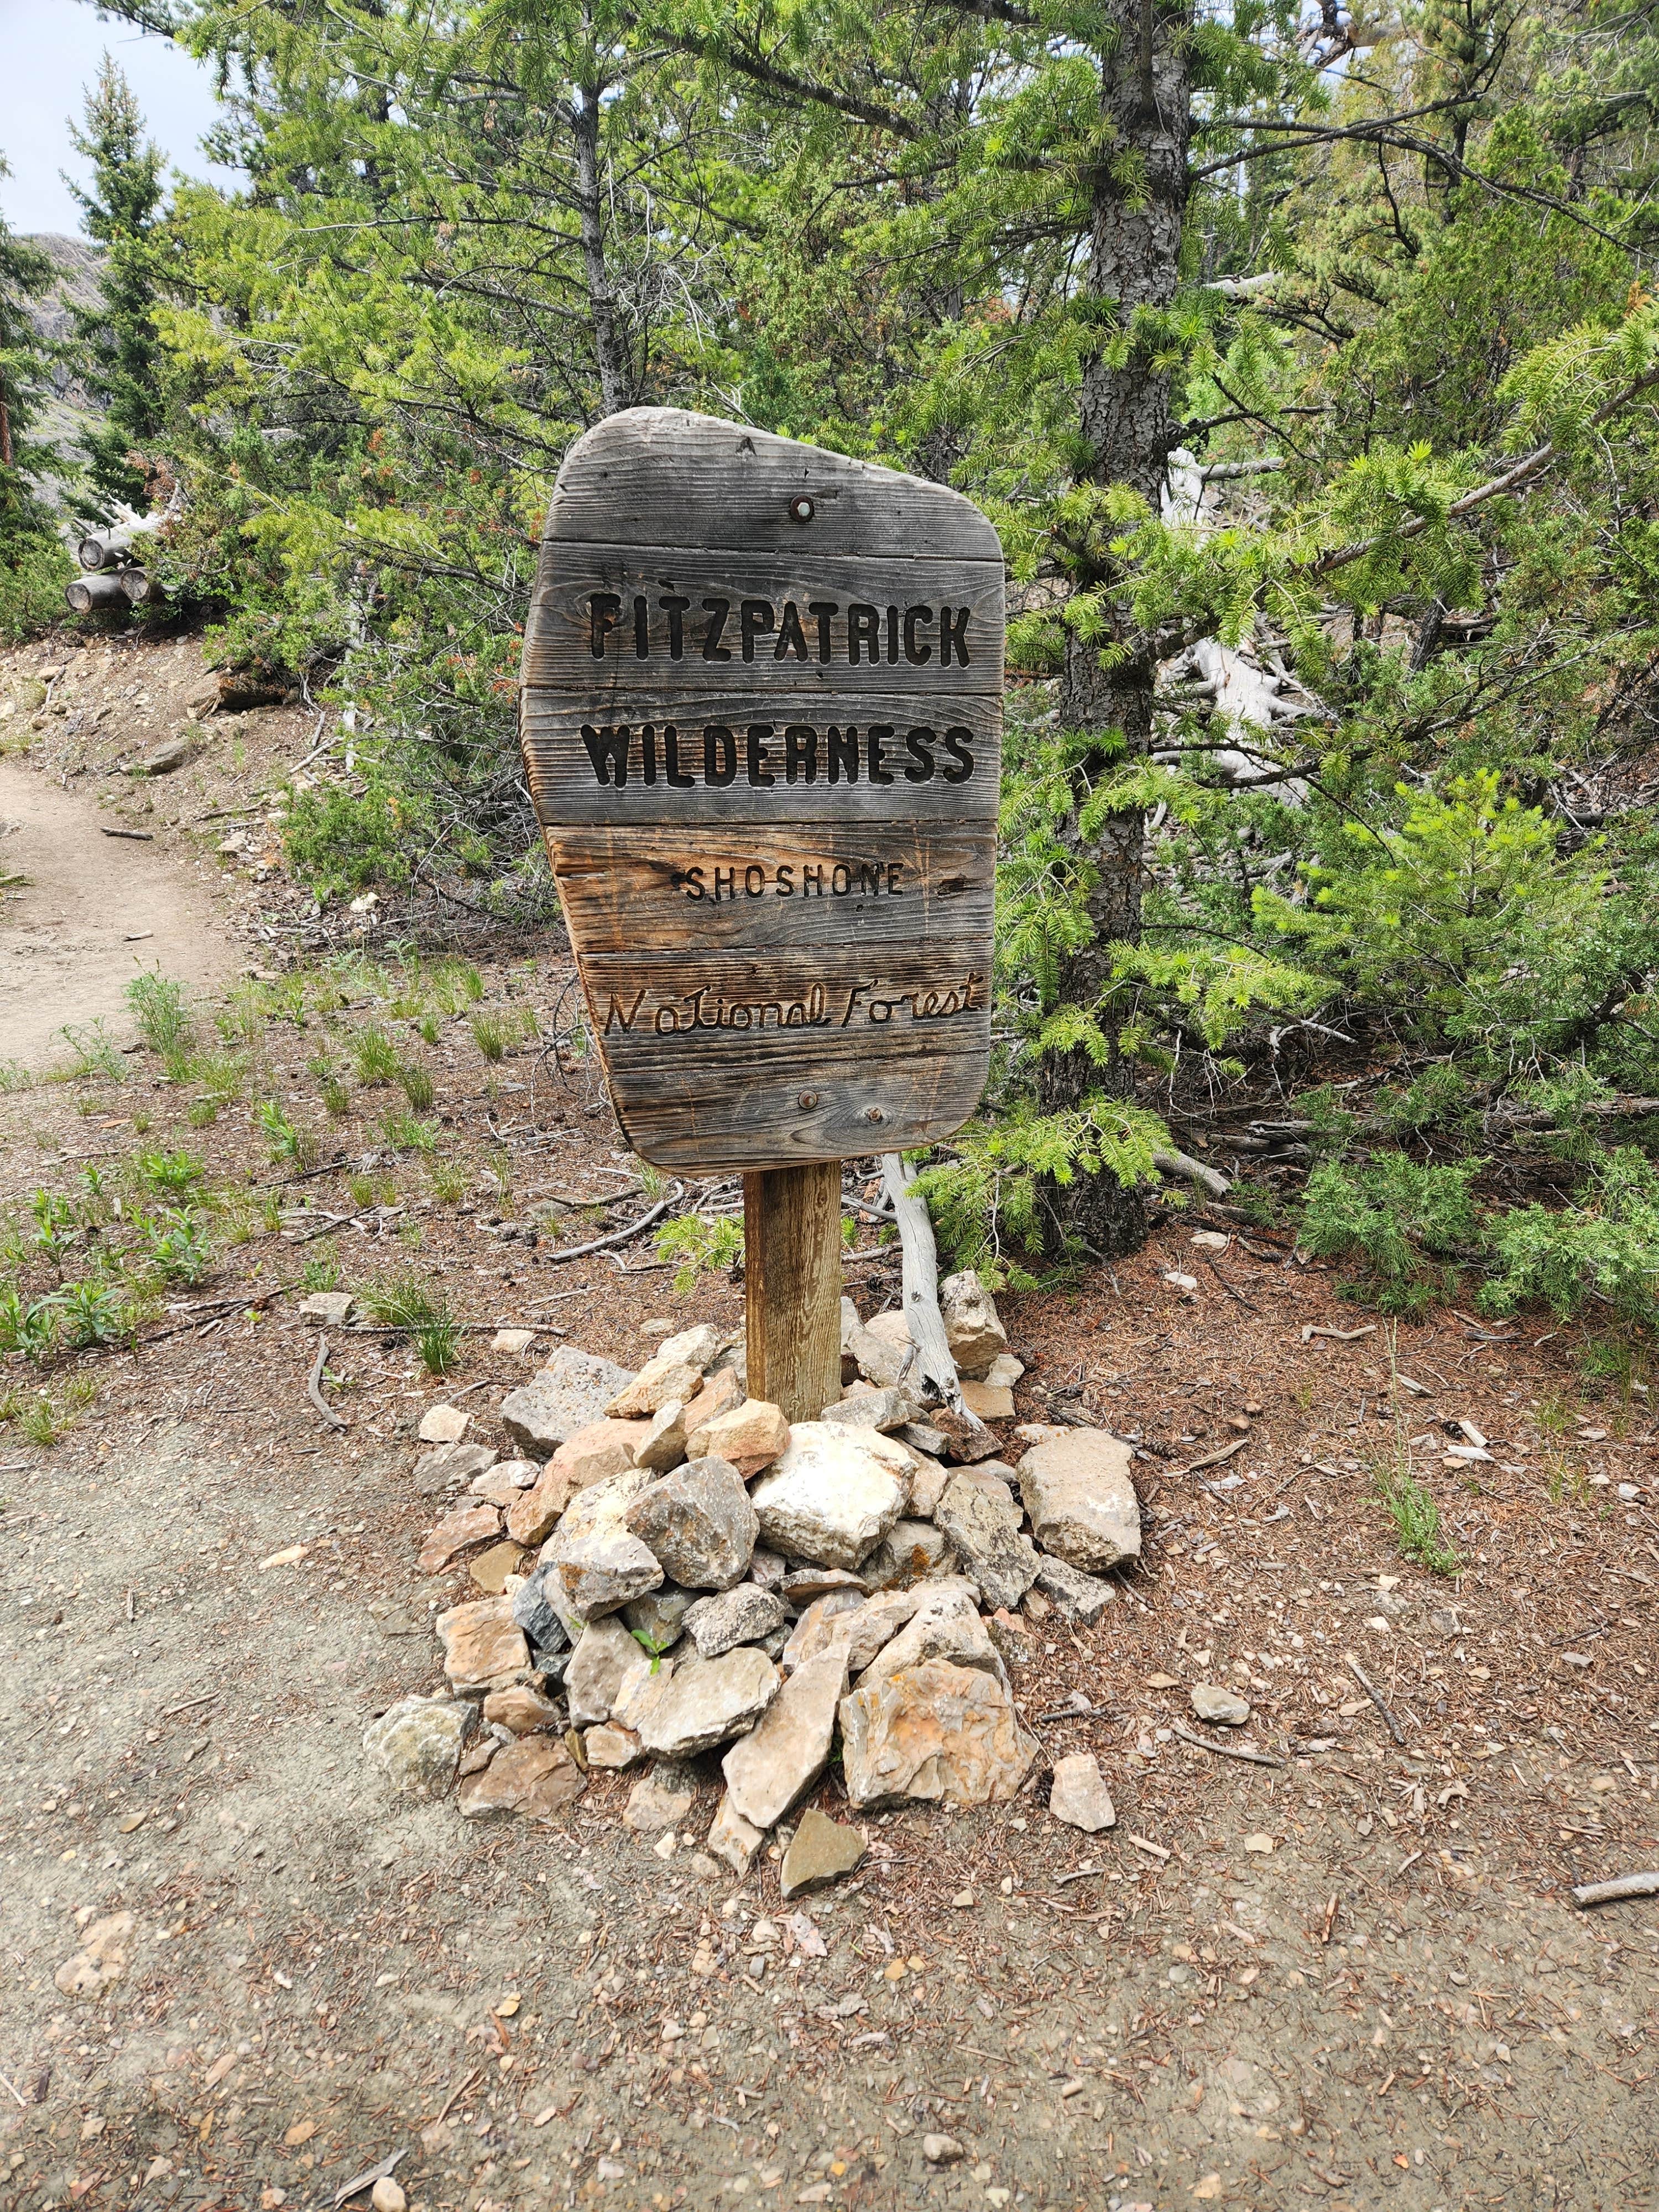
(792, 1271)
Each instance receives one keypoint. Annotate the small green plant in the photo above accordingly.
(202, 1113)
(1416, 1517)
(91, 1314)
(179, 1246)
(449, 1182)
(288, 1145)
(270, 1213)
(243, 1018)
(336, 1098)
(27, 1325)
(407, 1132)
(489, 1034)
(170, 1173)
(649, 1643)
(56, 1232)
(160, 1015)
(407, 1304)
(1605, 1248)
(417, 1085)
(141, 1123)
(498, 1173)
(14, 1077)
(428, 1028)
(700, 1243)
(40, 1422)
(236, 1215)
(321, 1270)
(96, 1055)
(376, 1058)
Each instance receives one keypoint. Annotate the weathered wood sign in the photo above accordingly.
(762, 719)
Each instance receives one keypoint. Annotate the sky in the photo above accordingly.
(51, 50)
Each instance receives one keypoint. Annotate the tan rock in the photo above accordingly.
(734, 1839)
(991, 1402)
(105, 1945)
(973, 1328)
(662, 1798)
(927, 1479)
(443, 1425)
(662, 1448)
(600, 1450)
(703, 1702)
(536, 1777)
(1079, 1796)
(788, 1747)
(601, 1565)
(492, 1568)
(517, 1340)
(933, 1732)
(534, 1514)
(483, 1649)
(911, 1551)
(820, 1850)
(613, 1748)
(751, 1435)
(456, 1532)
(606, 1662)
(662, 1378)
(522, 1709)
(719, 1394)
(820, 1627)
(1078, 1490)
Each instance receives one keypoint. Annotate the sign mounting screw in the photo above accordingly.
(874, 1113)
(807, 1099)
(802, 508)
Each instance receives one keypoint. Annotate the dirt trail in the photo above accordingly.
(92, 911)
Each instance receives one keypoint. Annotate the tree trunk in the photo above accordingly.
(1139, 200)
(609, 351)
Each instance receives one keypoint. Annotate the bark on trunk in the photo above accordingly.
(609, 351)
(1139, 200)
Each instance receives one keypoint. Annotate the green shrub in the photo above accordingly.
(158, 1011)
(337, 841)
(1606, 1247)
(701, 1243)
(1399, 1218)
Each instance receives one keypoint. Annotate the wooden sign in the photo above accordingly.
(762, 721)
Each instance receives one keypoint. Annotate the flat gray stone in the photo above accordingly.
(660, 1615)
(743, 1615)
(447, 1465)
(945, 1625)
(1080, 1598)
(571, 1392)
(606, 1663)
(699, 1524)
(1213, 1701)
(870, 1409)
(984, 1531)
(327, 1309)
(788, 1747)
(703, 1702)
(600, 1562)
(802, 1585)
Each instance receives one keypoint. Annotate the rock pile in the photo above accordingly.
(672, 1571)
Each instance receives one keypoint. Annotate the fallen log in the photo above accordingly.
(141, 587)
(91, 595)
(921, 1307)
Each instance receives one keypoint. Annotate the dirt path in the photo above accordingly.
(94, 910)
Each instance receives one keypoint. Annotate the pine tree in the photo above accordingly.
(117, 353)
(32, 561)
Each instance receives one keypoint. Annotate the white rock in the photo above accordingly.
(443, 1425)
(827, 1498)
(416, 1742)
(607, 1659)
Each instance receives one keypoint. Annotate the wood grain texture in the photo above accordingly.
(662, 476)
(733, 1117)
(596, 606)
(565, 788)
(834, 883)
(791, 1286)
(777, 865)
